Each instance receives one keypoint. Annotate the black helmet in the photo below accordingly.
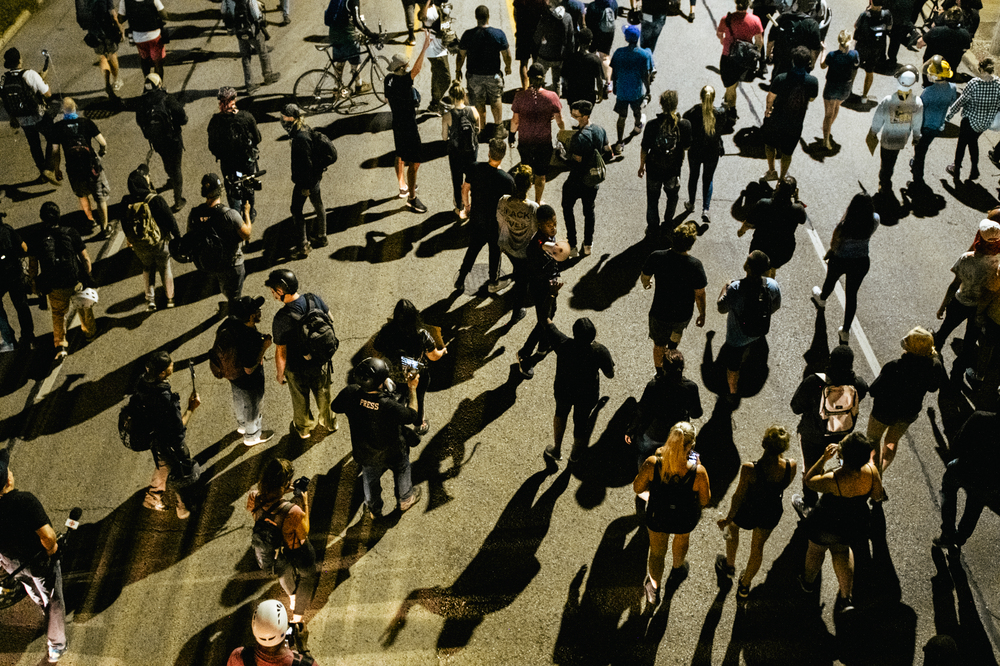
(371, 373)
(211, 186)
(283, 279)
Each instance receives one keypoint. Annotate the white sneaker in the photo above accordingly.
(574, 253)
(264, 436)
(819, 302)
(498, 286)
(118, 84)
(845, 336)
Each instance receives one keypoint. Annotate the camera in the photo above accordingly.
(411, 367)
(243, 186)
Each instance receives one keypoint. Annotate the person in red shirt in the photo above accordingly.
(534, 110)
(745, 27)
(270, 626)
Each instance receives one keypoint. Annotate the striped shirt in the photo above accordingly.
(979, 102)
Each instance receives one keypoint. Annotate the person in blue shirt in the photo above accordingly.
(937, 99)
(631, 67)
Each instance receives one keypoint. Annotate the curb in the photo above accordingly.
(12, 30)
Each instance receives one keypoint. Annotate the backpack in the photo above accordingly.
(838, 407)
(463, 134)
(605, 20)
(597, 172)
(82, 162)
(236, 17)
(208, 250)
(241, 141)
(222, 356)
(744, 54)
(154, 121)
(138, 224)
(755, 321)
(665, 145)
(878, 29)
(266, 539)
(60, 264)
(324, 153)
(319, 340)
(18, 99)
(134, 427)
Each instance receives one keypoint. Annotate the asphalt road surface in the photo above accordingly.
(501, 562)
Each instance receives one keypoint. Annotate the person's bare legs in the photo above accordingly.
(524, 74)
(102, 214)
(658, 542)
(869, 77)
(892, 437)
(769, 154)
(109, 68)
(539, 188)
(621, 127)
(411, 178)
(875, 431)
(658, 351)
(497, 107)
(843, 566)
(400, 175)
(829, 115)
(786, 161)
(756, 555)
(681, 543)
(85, 207)
(815, 554)
(167, 277)
(729, 98)
(733, 379)
(733, 545)
(481, 108)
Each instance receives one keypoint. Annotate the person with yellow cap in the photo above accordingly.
(937, 99)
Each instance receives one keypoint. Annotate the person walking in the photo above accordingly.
(554, 39)
(666, 138)
(631, 72)
(104, 35)
(748, 316)
(430, 16)
(234, 140)
(577, 384)
(527, 14)
(678, 489)
(245, 21)
(485, 184)
(402, 99)
(460, 130)
(65, 266)
(343, 17)
(794, 28)
(305, 366)
(980, 104)
(160, 408)
(583, 73)
(706, 149)
(148, 225)
(848, 256)
(589, 141)
(937, 98)
(27, 534)
(787, 102)
(517, 223)
(774, 221)
(654, 17)
(288, 522)
(816, 398)
(160, 117)
(534, 109)
(239, 347)
(270, 629)
(76, 134)
(376, 417)
(310, 157)
(841, 65)
(896, 117)
(841, 516)
(680, 285)
(946, 38)
(482, 47)
(600, 16)
(737, 31)
(13, 281)
(668, 399)
(146, 19)
(898, 393)
(756, 506)
(222, 257)
(26, 96)
(871, 33)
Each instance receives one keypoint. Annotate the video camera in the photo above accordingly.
(411, 367)
(243, 186)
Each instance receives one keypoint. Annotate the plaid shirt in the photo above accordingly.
(980, 103)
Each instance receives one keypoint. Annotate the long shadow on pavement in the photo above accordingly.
(380, 247)
(611, 278)
(610, 462)
(950, 584)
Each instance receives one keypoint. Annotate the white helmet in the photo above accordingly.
(270, 622)
(86, 298)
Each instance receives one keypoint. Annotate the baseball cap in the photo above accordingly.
(293, 111)
(397, 62)
(244, 307)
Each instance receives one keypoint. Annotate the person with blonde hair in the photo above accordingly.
(842, 63)
(705, 151)
(898, 392)
(678, 489)
(463, 143)
(756, 506)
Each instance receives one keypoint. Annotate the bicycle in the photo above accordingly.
(320, 90)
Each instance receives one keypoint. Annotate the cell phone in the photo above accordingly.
(410, 365)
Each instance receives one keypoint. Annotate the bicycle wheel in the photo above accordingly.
(316, 90)
(380, 69)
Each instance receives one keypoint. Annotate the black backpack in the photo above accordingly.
(82, 162)
(665, 145)
(60, 263)
(207, 242)
(745, 54)
(324, 153)
(463, 134)
(755, 321)
(154, 121)
(878, 28)
(319, 340)
(237, 19)
(241, 141)
(18, 99)
(134, 427)
(266, 539)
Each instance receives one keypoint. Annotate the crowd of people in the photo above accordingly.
(384, 401)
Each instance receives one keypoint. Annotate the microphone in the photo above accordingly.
(74, 518)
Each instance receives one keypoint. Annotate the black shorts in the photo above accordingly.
(536, 155)
(779, 135)
(730, 71)
(733, 357)
(525, 48)
(871, 58)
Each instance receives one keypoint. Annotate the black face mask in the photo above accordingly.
(288, 125)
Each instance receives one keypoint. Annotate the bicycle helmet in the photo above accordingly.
(371, 373)
(211, 186)
(270, 622)
(283, 279)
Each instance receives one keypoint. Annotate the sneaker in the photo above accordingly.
(617, 150)
(362, 88)
(974, 174)
(150, 306)
(573, 252)
(241, 430)
(183, 513)
(552, 453)
(251, 88)
(771, 175)
(272, 78)
(178, 205)
(817, 298)
(496, 286)
(307, 435)
(416, 205)
(526, 370)
(723, 572)
(118, 84)
(55, 653)
(705, 217)
(407, 504)
(170, 303)
(679, 574)
(319, 241)
(372, 515)
(61, 353)
(639, 125)
(845, 336)
(285, 19)
(953, 170)
(154, 500)
(742, 591)
(688, 206)
(517, 315)
(944, 541)
(263, 437)
(808, 588)
(652, 592)
(842, 604)
(411, 41)
(50, 176)
(799, 504)
(335, 426)
(586, 250)
(403, 193)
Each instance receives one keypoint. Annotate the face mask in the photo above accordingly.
(288, 125)
(70, 116)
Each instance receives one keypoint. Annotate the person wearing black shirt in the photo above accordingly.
(486, 183)
(483, 46)
(305, 375)
(249, 345)
(680, 285)
(542, 268)
(787, 102)
(974, 469)
(76, 135)
(160, 117)
(583, 72)
(589, 140)
(664, 141)
(27, 532)
(233, 139)
(774, 221)
(948, 39)
(306, 181)
(793, 30)
(13, 281)
(230, 272)
(161, 411)
(376, 417)
(577, 384)
(668, 399)
(155, 258)
(403, 102)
